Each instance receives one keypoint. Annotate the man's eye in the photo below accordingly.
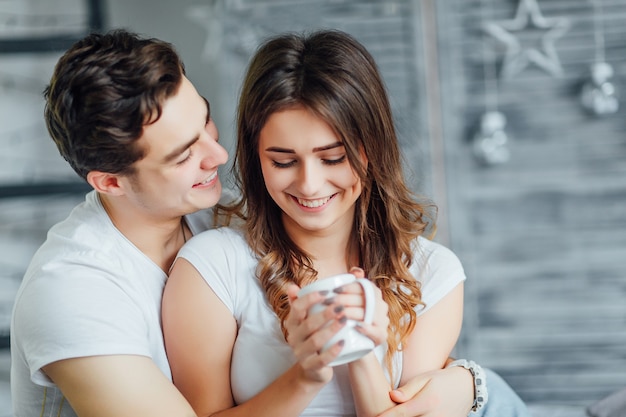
(187, 158)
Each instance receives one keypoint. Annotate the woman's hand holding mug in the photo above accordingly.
(335, 320)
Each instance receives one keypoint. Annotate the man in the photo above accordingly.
(86, 322)
(85, 336)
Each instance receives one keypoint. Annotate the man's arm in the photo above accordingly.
(117, 386)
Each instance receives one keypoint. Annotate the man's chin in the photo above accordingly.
(209, 198)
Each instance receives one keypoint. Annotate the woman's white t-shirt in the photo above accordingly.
(261, 354)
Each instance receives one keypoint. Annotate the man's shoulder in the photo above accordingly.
(84, 237)
(85, 221)
(206, 219)
(200, 221)
(225, 238)
(79, 249)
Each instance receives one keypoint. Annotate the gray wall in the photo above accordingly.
(543, 236)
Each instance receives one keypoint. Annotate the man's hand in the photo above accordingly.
(441, 393)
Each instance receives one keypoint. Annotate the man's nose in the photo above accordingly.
(214, 154)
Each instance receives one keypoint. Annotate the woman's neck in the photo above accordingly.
(332, 252)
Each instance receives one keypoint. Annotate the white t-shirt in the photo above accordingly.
(87, 291)
(261, 354)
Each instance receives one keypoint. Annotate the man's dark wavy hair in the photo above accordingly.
(102, 93)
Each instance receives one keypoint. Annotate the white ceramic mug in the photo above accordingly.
(356, 344)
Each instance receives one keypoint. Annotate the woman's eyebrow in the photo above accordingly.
(318, 149)
(278, 149)
(327, 147)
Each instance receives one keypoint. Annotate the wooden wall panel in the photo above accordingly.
(543, 236)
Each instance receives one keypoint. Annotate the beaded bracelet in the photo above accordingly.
(480, 381)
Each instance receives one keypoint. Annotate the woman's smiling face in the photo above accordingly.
(307, 172)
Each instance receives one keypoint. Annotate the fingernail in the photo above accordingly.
(328, 301)
(323, 292)
(338, 309)
(343, 319)
(338, 290)
(341, 342)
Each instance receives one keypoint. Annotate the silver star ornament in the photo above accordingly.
(516, 57)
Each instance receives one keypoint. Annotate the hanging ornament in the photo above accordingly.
(599, 95)
(516, 57)
(490, 143)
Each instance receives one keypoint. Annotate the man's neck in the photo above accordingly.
(159, 238)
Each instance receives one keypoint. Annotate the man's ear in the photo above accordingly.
(105, 183)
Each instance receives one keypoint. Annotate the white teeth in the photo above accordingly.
(313, 203)
(209, 179)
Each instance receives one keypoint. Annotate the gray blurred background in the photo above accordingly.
(509, 116)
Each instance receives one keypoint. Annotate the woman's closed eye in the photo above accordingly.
(335, 161)
(283, 164)
(326, 161)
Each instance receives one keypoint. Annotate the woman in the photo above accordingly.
(320, 174)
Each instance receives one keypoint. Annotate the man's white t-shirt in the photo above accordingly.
(87, 291)
(260, 353)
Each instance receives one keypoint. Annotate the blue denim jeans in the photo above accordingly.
(503, 401)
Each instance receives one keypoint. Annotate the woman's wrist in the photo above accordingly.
(480, 381)
(308, 381)
(370, 387)
(368, 358)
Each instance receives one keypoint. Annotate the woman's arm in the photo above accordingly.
(427, 389)
(370, 387)
(436, 332)
(200, 333)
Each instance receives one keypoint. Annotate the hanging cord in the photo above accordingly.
(490, 75)
(598, 17)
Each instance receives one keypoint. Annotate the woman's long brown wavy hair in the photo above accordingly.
(332, 75)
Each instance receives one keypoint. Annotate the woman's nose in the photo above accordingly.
(310, 179)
